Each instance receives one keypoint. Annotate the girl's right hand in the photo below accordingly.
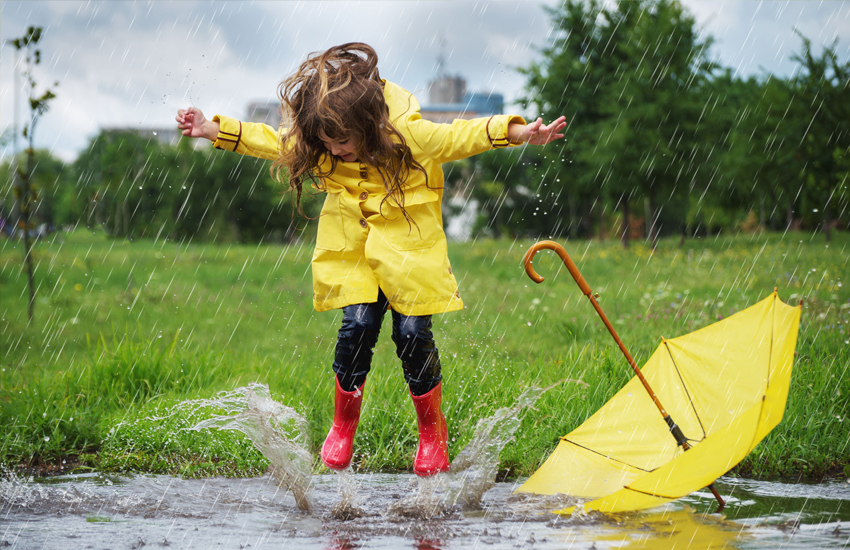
(194, 124)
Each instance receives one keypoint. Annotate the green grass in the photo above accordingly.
(125, 331)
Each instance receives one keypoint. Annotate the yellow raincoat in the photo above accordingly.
(362, 244)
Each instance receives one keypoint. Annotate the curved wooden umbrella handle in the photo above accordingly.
(571, 266)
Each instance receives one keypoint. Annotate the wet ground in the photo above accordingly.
(395, 511)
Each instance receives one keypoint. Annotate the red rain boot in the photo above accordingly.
(338, 447)
(432, 454)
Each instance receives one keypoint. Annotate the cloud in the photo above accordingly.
(754, 37)
(134, 64)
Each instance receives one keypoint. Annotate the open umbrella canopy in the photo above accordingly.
(725, 385)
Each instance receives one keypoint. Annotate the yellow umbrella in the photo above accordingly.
(725, 385)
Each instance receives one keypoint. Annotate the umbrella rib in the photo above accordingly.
(770, 351)
(650, 494)
(685, 387)
(607, 457)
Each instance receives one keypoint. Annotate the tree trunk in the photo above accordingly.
(601, 230)
(587, 220)
(789, 214)
(652, 225)
(624, 233)
(125, 216)
(827, 210)
(774, 204)
(25, 218)
(116, 223)
(100, 200)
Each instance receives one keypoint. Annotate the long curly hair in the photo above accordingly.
(338, 93)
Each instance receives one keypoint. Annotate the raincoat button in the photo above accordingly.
(364, 195)
(364, 174)
(362, 222)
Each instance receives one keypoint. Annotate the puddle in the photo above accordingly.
(94, 511)
(290, 508)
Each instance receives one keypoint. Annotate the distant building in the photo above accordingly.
(447, 89)
(450, 100)
(266, 112)
(447, 95)
(485, 104)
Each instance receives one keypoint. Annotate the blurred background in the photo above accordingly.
(684, 117)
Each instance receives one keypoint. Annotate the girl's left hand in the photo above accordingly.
(537, 133)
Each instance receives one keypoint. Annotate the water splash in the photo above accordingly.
(473, 471)
(277, 431)
(21, 494)
(428, 500)
(349, 507)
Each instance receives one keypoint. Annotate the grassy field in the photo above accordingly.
(124, 331)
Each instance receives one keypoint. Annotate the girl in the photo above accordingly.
(380, 242)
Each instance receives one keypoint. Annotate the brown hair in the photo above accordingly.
(339, 92)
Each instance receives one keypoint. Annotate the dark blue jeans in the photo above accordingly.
(414, 341)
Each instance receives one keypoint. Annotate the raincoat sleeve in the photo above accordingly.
(461, 138)
(445, 142)
(247, 138)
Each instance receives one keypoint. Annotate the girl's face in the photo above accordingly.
(346, 149)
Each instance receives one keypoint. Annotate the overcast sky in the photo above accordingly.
(134, 63)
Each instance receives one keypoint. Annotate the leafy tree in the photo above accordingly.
(123, 176)
(38, 104)
(761, 120)
(231, 197)
(626, 76)
(512, 191)
(575, 69)
(823, 86)
(653, 137)
(133, 186)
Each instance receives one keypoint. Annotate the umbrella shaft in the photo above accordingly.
(629, 358)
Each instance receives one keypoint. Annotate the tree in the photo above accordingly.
(761, 120)
(576, 68)
(653, 137)
(130, 181)
(38, 105)
(627, 77)
(823, 85)
(133, 186)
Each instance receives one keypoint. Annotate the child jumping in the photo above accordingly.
(380, 241)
